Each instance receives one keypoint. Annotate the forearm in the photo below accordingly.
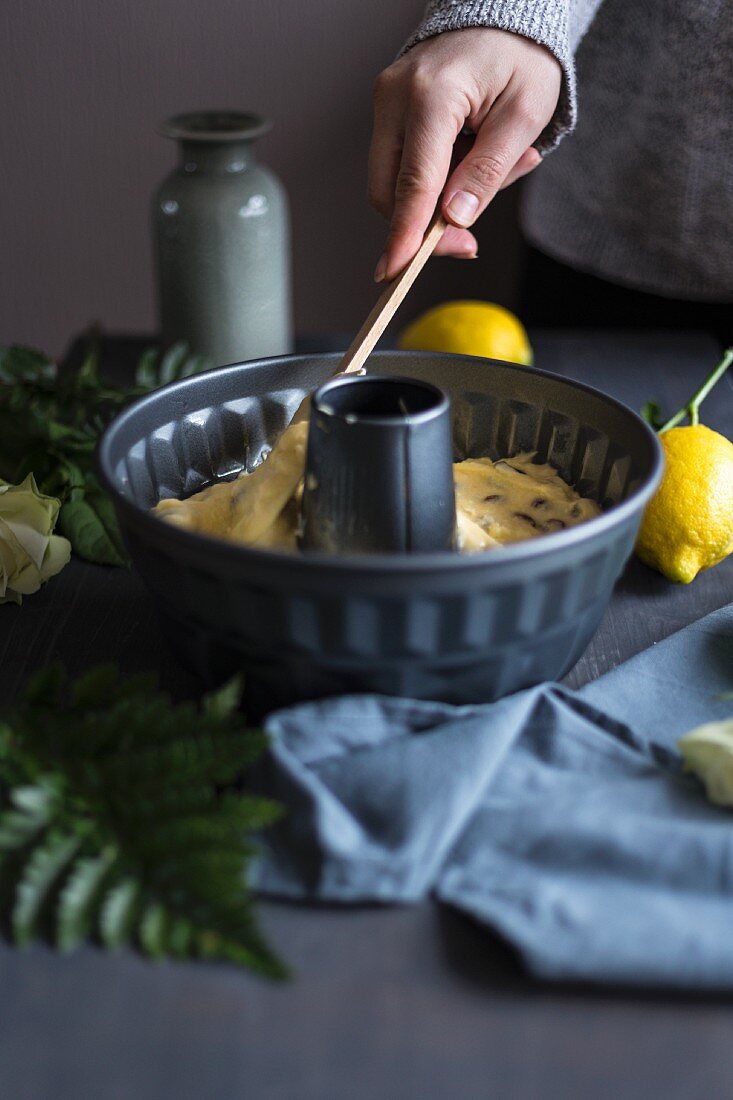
(558, 25)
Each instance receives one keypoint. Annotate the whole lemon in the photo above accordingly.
(688, 524)
(469, 328)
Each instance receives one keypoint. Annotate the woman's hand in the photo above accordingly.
(502, 86)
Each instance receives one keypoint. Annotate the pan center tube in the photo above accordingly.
(379, 473)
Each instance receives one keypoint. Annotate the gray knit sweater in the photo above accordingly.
(642, 193)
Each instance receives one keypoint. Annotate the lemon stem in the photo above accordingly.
(692, 408)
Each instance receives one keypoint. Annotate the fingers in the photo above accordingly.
(502, 140)
(528, 161)
(424, 165)
(457, 242)
(462, 244)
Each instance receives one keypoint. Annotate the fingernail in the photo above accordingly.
(381, 269)
(462, 207)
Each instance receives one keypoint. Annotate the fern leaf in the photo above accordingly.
(249, 950)
(44, 688)
(96, 687)
(119, 913)
(42, 873)
(172, 363)
(216, 759)
(153, 928)
(32, 812)
(175, 363)
(180, 938)
(146, 374)
(225, 701)
(88, 374)
(17, 830)
(252, 813)
(147, 810)
(220, 826)
(34, 801)
(194, 365)
(79, 898)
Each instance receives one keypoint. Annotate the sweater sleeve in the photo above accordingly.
(556, 24)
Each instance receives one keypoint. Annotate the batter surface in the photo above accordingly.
(496, 502)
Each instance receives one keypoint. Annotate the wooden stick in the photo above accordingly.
(383, 310)
(389, 301)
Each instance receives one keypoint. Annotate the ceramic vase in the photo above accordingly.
(222, 242)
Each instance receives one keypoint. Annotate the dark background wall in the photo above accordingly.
(83, 84)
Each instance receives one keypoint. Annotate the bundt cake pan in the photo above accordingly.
(440, 626)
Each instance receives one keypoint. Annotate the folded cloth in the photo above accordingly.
(560, 819)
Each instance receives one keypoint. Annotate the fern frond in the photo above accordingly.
(79, 899)
(152, 930)
(251, 951)
(219, 758)
(32, 809)
(121, 819)
(119, 913)
(40, 876)
(225, 702)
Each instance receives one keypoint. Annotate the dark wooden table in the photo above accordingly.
(406, 1002)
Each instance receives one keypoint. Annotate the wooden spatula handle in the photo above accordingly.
(389, 300)
(383, 311)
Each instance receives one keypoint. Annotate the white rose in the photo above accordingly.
(29, 551)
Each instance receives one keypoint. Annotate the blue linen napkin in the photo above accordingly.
(560, 819)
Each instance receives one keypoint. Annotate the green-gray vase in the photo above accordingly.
(222, 242)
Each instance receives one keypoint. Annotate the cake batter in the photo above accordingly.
(499, 502)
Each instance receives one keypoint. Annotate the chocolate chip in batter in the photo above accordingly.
(493, 497)
(575, 511)
(553, 525)
(524, 516)
(539, 502)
